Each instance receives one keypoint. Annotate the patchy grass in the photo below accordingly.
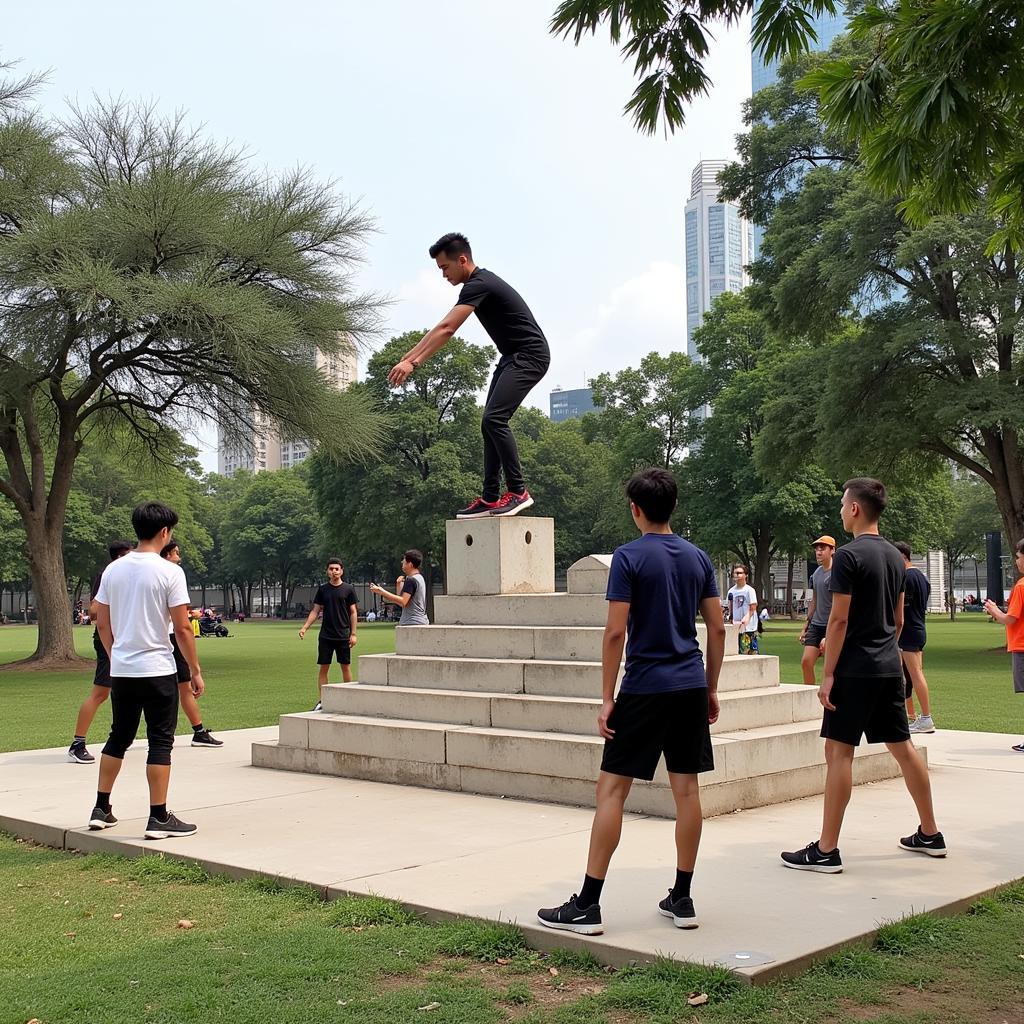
(101, 939)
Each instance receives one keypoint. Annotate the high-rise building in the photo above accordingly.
(826, 28)
(264, 449)
(571, 405)
(719, 245)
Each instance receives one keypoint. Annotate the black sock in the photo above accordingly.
(158, 811)
(198, 728)
(103, 801)
(682, 886)
(591, 891)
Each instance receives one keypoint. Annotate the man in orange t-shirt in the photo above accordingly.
(1013, 620)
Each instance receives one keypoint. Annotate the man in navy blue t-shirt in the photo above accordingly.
(668, 698)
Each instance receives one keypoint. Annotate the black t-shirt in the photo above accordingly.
(915, 605)
(871, 571)
(504, 315)
(336, 603)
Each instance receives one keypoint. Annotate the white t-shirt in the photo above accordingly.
(140, 589)
(742, 599)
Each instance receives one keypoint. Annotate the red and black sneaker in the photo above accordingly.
(477, 509)
(511, 504)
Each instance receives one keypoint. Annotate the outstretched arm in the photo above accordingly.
(431, 342)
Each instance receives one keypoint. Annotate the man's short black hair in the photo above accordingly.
(414, 556)
(654, 492)
(168, 548)
(151, 518)
(335, 560)
(453, 245)
(903, 548)
(740, 565)
(1018, 548)
(118, 548)
(870, 494)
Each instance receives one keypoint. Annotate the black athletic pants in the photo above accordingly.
(514, 377)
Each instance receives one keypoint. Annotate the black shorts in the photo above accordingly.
(648, 725)
(156, 697)
(814, 635)
(326, 649)
(180, 664)
(912, 642)
(868, 706)
(102, 675)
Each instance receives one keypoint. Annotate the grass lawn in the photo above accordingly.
(259, 672)
(965, 662)
(115, 941)
(263, 670)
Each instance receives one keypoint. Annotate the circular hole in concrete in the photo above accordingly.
(529, 536)
(469, 540)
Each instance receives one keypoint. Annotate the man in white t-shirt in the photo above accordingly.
(138, 603)
(743, 608)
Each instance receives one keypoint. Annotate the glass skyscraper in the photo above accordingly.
(826, 27)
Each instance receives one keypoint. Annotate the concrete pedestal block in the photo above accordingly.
(589, 575)
(500, 555)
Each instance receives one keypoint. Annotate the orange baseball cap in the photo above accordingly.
(825, 539)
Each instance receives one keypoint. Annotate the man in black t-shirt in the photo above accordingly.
(524, 360)
(912, 641)
(338, 604)
(862, 687)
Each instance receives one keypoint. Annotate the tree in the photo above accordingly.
(974, 514)
(668, 42)
(273, 531)
(915, 329)
(373, 511)
(149, 276)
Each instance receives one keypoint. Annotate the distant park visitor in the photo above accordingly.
(812, 636)
(862, 686)
(743, 610)
(668, 700)
(140, 596)
(410, 591)
(338, 604)
(913, 637)
(1013, 620)
(524, 359)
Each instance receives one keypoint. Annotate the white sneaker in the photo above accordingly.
(922, 724)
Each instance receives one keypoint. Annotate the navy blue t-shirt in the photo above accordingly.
(664, 578)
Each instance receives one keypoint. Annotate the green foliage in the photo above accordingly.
(669, 41)
(485, 941)
(360, 911)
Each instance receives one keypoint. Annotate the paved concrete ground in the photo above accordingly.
(454, 853)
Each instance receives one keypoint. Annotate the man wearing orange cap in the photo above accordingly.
(813, 634)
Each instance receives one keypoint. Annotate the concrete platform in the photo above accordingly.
(458, 854)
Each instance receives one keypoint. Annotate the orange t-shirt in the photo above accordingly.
(1015, 630)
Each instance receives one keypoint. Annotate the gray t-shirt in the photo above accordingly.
(822, 596)
(415, 612)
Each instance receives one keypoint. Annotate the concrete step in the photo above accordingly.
(554, 643)
(719, 794)
(738, 755)
(741, 709)
(522, 609)
(550, 678)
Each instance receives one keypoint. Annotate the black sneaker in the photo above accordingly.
(477, 509)
(205, 738)
(101, 819)
(511, 504)
(171, 828)
(319, 706)
(1019, 747)
(78, 754)
(571, 917)
(934, 846)
(681, 911)
(810, 858)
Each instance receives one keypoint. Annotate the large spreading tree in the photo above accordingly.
(148, 276)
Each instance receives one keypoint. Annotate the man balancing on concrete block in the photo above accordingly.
(667, 701)
(862, 686)
(524, 360)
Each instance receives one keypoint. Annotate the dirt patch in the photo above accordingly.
(949, 1001)
(30, 664)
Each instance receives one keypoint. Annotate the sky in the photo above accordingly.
(463, 116)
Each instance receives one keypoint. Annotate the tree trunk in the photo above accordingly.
(428, 580)
(789, 585)
(763, 568)
(55, 645)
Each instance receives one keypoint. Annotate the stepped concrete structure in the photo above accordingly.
(501, 694)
